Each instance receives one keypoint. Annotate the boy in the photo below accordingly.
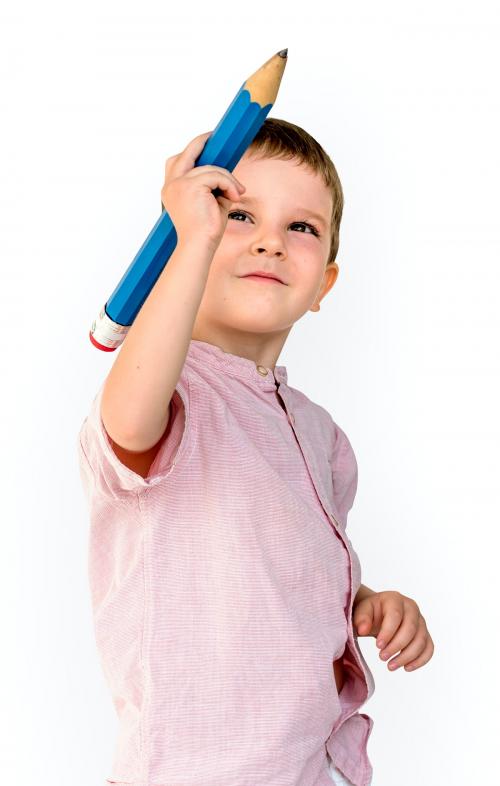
(225, 589)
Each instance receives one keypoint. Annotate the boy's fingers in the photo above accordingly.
(190, 153)
(408, 633)
(364, 624)
(363, 618)
(194, 148)
(406, 653)
(424, 656)
(390, 624)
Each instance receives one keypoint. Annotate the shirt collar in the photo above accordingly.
(212, 355)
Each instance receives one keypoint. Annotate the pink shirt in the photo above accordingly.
(222, 586)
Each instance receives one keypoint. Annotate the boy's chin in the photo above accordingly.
(254, 321)
(261, 314)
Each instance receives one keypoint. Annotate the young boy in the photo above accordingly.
(226, 592)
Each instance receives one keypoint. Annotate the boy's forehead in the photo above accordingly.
(256, 167)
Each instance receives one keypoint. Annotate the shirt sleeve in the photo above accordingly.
(344, 474)
(101, 471)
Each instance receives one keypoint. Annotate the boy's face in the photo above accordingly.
(237, 312)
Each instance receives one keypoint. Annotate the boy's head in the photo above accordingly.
(286, 223)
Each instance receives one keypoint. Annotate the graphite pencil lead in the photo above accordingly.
(283, 53)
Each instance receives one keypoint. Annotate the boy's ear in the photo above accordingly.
(329, 279)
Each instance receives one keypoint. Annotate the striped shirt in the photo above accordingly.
(222, 586)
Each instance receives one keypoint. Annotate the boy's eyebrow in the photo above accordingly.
(320, 218)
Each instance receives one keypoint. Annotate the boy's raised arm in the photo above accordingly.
(137, 391)
(140, 384)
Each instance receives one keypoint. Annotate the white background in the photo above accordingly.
(404, 352)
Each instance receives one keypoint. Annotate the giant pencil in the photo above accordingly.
(234, 133)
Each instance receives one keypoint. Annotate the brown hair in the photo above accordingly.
(280, 139)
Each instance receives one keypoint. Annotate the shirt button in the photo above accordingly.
(262, 370)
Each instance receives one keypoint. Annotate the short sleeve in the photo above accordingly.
(101, 471)
(344, 474)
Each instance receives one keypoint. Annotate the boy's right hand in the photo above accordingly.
(187, 195)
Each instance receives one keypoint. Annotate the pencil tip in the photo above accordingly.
(283, 53)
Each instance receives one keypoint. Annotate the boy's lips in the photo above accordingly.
(263, 275)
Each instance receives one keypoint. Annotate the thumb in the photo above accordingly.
(363, 620)
(364, 626)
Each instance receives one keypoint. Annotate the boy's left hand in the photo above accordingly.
(397, 623)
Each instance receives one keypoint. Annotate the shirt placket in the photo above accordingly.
(327, 507)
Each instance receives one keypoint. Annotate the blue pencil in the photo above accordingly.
(232, 136)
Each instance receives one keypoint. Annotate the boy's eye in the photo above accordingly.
(313, 229)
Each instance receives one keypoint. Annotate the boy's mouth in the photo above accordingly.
(262, 275)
